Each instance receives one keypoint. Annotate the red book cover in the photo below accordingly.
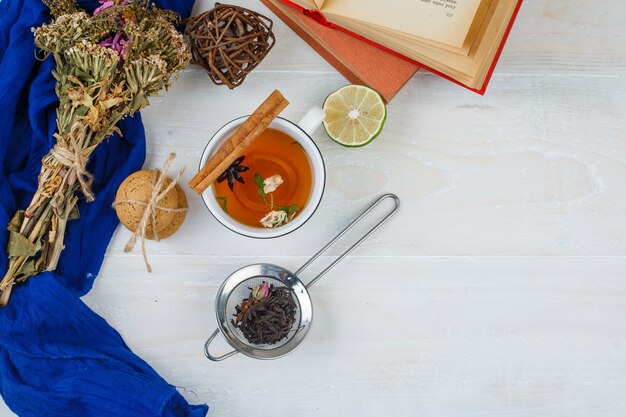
(319, 17)
(358, 61)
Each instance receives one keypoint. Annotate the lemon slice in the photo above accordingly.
(355, 115)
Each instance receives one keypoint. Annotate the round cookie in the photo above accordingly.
(138, 187)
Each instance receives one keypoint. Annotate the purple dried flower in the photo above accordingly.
(117, 43)
(105, 4)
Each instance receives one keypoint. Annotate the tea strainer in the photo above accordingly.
(238, 285)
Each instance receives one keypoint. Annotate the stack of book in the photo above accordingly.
(383, 43)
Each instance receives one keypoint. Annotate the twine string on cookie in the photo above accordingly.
(151, 207)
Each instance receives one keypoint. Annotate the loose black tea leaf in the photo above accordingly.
(266, 317)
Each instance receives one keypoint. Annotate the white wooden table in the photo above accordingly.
(498, 290)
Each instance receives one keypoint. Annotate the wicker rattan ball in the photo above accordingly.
(138, 187)
(229, 42)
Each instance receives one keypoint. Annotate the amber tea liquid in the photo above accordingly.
(272, 153)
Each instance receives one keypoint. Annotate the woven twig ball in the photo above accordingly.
(229, 42)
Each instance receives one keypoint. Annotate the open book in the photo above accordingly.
(459, 39)
(360, 62)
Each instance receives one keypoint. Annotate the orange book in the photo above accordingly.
(460, 40)
(358, 61)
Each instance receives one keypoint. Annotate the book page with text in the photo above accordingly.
(469, 40)
(470, 70)
(444, 21)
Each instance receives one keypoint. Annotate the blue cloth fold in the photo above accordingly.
(57, 357)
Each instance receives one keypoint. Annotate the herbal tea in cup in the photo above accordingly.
(269, 185)
(275, 186)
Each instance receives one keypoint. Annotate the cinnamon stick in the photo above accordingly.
(234, 147)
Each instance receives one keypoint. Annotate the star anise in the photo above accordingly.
(233, 172)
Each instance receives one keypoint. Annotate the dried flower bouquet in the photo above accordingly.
(107, 65)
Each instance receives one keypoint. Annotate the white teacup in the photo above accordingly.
(300, 132)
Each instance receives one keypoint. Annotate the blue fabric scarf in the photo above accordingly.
(57, 357)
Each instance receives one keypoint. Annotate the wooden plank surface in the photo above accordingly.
(498, 290)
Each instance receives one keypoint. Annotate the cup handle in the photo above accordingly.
(312, 120)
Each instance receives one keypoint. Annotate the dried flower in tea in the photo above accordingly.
(274, 218)
(283, 214)
(267, 316)
(270, 184)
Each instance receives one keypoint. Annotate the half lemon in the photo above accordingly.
(355, 115)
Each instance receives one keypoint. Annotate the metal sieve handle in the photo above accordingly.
(216, 358)
(344, 231)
